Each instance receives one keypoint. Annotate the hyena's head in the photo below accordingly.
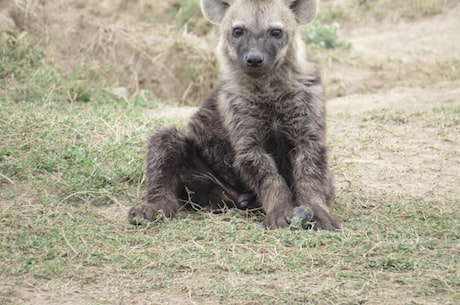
(257, 36)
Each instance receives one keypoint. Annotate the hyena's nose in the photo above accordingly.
(254, 59)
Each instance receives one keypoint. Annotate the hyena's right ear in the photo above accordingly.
(214, 10)
(304, 10)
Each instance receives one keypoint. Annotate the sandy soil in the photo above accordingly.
(419, 162)
(429, 40)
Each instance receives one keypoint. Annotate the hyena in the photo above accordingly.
(260, 137)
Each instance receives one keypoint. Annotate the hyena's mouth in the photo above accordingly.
(256, 72)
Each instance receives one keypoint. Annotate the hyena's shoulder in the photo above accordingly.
(206, 115)
(206, 125)
(313, 78)
(313, 87)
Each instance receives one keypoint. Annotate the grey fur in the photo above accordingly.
(262, 132)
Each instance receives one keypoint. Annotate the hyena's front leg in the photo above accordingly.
(313, 184)
(259, 170)
(165, 157)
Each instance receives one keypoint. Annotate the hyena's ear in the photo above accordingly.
(305, 10)
(214, 10)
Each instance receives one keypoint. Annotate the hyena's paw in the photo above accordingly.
(323, 220)
(149, 212)
(303, 217)
(279, 218)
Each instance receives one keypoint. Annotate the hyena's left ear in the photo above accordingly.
(214, 10)
(305, 10)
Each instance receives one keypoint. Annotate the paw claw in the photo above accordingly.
(325, 221)
(141, 213)
(278, 219)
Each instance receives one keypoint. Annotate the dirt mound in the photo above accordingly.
(130, 42)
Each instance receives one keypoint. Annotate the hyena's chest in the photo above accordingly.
(279, 124)
(278, 136)
(274, 124)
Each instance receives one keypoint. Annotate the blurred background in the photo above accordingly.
(167, 47)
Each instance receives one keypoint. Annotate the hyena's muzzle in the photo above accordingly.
(257, 52)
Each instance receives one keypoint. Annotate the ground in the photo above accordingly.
(394, 133)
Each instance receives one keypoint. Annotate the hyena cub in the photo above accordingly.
(260, 138)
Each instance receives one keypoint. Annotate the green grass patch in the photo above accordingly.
(25, 77)
(324, 36)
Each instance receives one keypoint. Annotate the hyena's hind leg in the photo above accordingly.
(210, 197)
(211, 191)
(220, 199)
(174, 168)
(248, 201)
(167, 151)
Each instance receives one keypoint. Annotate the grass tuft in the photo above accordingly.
(324, 36)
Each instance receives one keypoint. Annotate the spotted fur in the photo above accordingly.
(260, 137)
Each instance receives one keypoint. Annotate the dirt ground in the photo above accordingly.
(400, 65)
(422, 165)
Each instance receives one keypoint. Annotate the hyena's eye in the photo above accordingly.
(276, 33)
(238, 32)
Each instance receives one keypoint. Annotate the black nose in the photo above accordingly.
(254, 60)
